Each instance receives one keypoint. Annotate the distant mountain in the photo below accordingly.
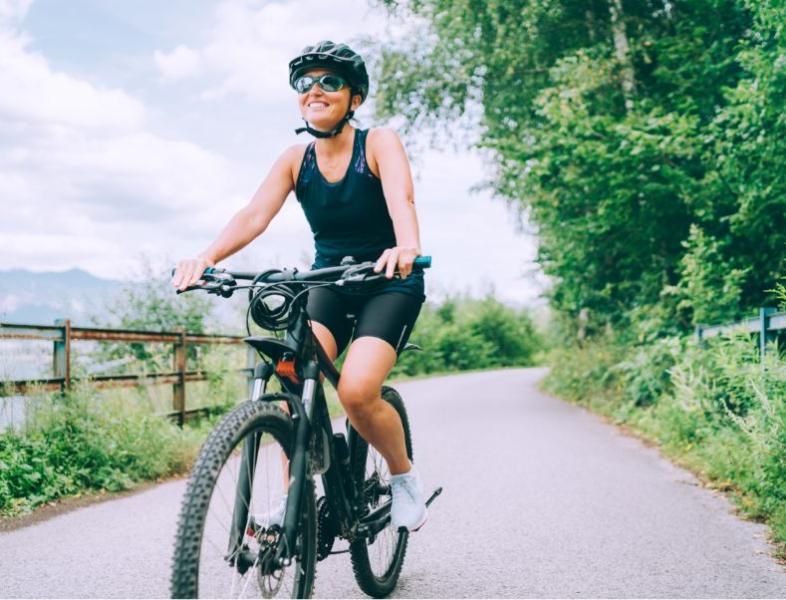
(41, 297)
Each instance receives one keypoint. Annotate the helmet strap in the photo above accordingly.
(326, 134)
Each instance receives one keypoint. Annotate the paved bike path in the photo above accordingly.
(541, 499)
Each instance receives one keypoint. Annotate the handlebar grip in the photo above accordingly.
(207, 271)
(422, 262)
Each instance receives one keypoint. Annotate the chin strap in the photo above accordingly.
(325, 134)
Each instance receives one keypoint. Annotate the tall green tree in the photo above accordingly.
(618, 125)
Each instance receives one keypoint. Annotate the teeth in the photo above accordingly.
(317, 105)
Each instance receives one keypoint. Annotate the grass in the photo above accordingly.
(79, 445)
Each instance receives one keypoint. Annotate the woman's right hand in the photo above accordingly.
(190, 270)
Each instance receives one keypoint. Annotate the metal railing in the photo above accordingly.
(768, 322)
(62, 334)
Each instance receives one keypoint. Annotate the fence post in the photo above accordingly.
(764, 325)
(179, 388)
(251, 362)
(61, 356)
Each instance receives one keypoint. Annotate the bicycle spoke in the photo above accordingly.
(266, 491)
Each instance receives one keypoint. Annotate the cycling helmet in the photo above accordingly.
(339, 58)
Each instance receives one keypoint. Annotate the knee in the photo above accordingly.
(357, 397)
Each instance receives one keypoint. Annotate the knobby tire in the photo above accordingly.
(377, 584)
(252, 417)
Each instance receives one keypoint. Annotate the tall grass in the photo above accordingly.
(79, 443)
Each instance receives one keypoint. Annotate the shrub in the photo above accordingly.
(80, 444)
(462, 333)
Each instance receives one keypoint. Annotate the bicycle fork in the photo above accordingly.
(298, 461)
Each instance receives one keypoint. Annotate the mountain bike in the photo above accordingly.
(250, 524)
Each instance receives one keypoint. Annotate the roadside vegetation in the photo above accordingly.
(646, 142)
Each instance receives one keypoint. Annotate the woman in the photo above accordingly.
(355, 188)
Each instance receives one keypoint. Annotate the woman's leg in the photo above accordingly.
(366, 366)
(383, 326)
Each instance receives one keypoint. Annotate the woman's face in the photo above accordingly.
(325, 109)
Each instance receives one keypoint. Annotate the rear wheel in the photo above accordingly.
(228, 531)
(377, 562)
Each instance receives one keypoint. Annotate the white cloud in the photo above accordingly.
(180, 63)
(82, 177)
(35, 94)
(252, 42)
(13, 11)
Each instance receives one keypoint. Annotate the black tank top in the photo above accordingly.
(348, 217)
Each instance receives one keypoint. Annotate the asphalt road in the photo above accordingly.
(541, 499)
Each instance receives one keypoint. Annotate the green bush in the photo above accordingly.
(462, 333)
(80, 444)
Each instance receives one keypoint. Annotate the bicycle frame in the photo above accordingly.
(299, 361)
(309, 412)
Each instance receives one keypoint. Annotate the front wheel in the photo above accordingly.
(229, 528)
(377, 562)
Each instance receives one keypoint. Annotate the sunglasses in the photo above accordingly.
(327, 83)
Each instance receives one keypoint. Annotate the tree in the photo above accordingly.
(606, 123)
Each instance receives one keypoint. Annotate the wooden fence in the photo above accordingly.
(63, 334)
(768, 322)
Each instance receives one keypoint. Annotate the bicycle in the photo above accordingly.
(261, 459)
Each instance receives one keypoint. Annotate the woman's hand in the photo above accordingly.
(190, 271)
(401, 257)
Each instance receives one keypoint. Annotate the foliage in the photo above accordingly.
(671, 191)
(780, 294)
(152, 305)
(79, 444)
(646, 140)
(83, 442)
(708, 287)
(462, 334)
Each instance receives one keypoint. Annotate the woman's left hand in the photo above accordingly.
(399, 256)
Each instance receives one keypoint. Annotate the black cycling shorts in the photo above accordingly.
(389, 316)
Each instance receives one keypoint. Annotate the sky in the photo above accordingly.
(131, 129)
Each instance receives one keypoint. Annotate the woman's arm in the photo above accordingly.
(387, 153)
(249, 222)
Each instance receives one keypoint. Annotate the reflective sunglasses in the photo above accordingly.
(327, 82)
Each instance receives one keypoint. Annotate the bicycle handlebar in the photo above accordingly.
(420, 263)
(353, 272)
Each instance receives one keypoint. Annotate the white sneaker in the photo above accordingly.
(266, 520)
(408, 509)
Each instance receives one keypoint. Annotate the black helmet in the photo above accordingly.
(337, 57)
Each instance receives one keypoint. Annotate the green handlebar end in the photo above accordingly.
(422, 262)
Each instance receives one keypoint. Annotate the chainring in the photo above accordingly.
(326, 529)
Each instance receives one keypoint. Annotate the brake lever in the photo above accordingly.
(216, 282)
(358, 274)
(364, 276)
